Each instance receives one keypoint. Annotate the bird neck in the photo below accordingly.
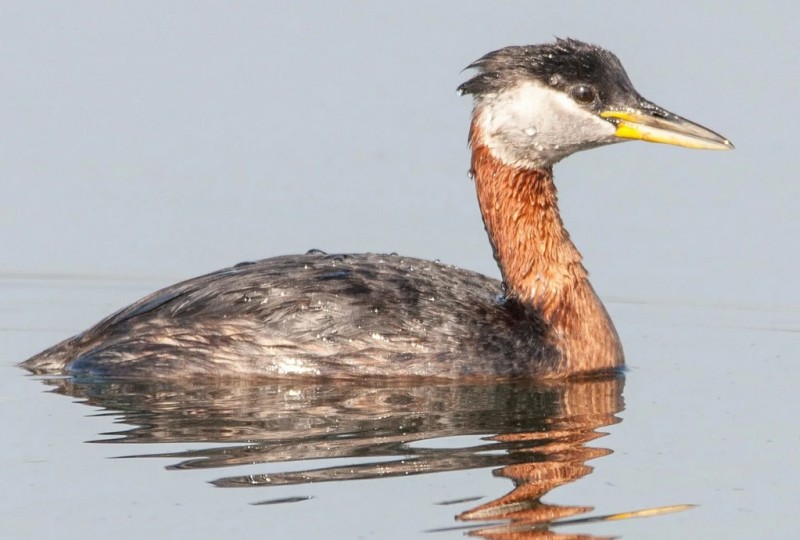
(539, 262)
(541, 267)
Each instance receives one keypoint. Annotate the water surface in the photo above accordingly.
(399, 460)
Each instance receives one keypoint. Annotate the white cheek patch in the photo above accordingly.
(532, 125)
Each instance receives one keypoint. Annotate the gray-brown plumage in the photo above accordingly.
(314, 314)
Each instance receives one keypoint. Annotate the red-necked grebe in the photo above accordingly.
(357, 315)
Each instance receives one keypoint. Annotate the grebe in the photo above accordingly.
(357, 315)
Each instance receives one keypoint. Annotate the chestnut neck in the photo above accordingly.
(541, 267)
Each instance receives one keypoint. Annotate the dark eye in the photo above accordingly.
(583, 94)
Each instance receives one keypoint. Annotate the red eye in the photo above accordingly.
(583, 94)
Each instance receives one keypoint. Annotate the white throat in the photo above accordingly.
(532, 125)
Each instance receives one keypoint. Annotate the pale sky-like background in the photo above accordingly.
(164, 140)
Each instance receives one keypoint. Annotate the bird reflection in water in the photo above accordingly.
(533, 433)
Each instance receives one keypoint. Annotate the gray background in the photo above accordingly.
(147, 142)
(165, 140)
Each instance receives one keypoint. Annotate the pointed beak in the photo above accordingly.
(649, 122)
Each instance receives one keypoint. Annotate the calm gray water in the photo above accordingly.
(147, 143)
